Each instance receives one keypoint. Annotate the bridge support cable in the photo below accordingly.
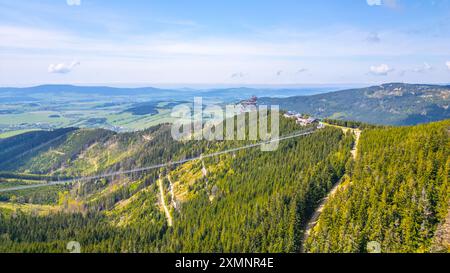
(162, 165)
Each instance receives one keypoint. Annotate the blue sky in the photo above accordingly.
(224, 42)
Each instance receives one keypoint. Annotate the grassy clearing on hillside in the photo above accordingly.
(40, 210)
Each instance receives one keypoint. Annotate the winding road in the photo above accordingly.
(315, 217)
(163, 202)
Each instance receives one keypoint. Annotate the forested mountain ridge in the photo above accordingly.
(223, 204)
(246, 201)
(397, 194)
(389, 104)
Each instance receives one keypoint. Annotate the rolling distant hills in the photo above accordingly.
(120, 109)
(128, 109)
(99, 90)
(26, 94)
(391, 104)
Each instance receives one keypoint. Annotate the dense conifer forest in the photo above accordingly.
(395, 192)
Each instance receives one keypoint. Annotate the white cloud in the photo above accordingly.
(62, 68)
(73, 2)
(380, 70)
(422, 69)
(334, 44)
(373, 37)
(426, 67)
(163, 58)
(390, 4)
(374, 2)
(448, 64)
(387, 3)
(238, 75)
